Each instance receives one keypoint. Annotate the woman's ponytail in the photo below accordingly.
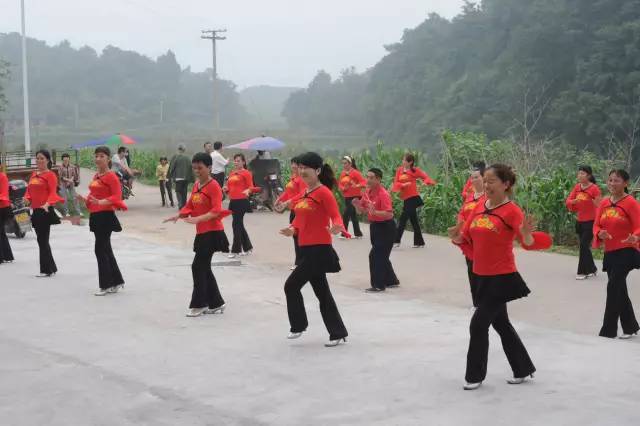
(327, 176)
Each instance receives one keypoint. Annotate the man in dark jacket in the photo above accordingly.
(180, 173)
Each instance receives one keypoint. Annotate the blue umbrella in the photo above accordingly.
(264, 143)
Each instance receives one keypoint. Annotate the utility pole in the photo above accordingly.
(213, 36)
(161, 111)
(25, 89)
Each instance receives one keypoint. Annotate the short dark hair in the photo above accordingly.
(217, 145)
(376, 171)
(122, 149)
(202, 157)
(163, 158)
(206, 143)
(65, 155)
(102, 150)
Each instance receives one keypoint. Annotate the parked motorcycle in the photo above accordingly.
(20, 223)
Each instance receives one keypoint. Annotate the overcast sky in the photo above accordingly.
(275, 42)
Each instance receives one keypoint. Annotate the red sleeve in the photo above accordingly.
(4, 187)
(249, 180)
(27, 194)
(634, 216)
(572, 196)
(115, 189)
(597, 227)
(331, 207)
(467, 187)
(425, 177)
(216, 198)
(396, 181)
(360, 180)
(187, 210)
(52, 187)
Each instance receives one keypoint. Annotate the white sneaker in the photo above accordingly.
(293, 335)
(418, 247)
(627, 336)
(342, 237)
(101, 292)
(336, 342)
(358, 237)
(293, 268)
(196, 312)
(115, 289)
(581, 277)
(218, 310)
(246, 253)
(396, 245)
(591, 275)
(472, 386)
(518, 380)
(231, 256)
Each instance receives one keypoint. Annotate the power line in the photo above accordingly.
(214, 36)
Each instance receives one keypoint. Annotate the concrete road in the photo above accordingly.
(69, 358)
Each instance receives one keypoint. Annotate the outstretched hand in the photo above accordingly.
(528, 225)
(173, 219)
(336, 229)
(631, 239)
(287, 232)
(604, 235)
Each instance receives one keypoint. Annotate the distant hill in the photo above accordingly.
(265, 103)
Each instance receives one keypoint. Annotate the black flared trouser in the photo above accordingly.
(108, 271)
(618, 305)
(472, 281)
(241, 241)
(586, 265)
(350, 214)
(47, 264)
(6, 255)
(205, 287)
(410, 213)
(495, 314)
(380, 267)
(295, 303)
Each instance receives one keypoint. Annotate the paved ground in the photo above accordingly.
(69, 358)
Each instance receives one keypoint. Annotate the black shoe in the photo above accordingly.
(396, 285)
(374, 290)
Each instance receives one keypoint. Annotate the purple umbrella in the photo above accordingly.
(264, 143)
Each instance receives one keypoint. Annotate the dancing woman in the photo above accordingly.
(294, 188)
(239, 187)
(490, 230)
(42, 195)
(317, 218)
(617, 226)
(204, 210)
(405, 183)
(475, 196)
(105, 197)
(6, 255)
(583, 200)
(351, 184)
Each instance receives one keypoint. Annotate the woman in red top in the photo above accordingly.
(405, 183)
(6, 255)
(293, 189)
(317, 217)
(583, 199)
(617, 225)
(204, 209)
(105, 197)
(468, 186)
(351, 183)
(239, 186)
(474, 197)
(491, 229)
(42, 195)
(376, 202)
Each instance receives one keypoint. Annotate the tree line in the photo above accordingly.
(528, 70)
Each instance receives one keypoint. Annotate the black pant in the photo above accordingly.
(495, 314)
(108, 271)
(241, 241)
(618, 305)
(6, 255)
(380, 267)
(181, 192)
(295, 303)
(205, 287)
(410, 212)
(586, 264)
(165, 185)
(296, 247)
(350, 214)
(47, 264)
(472, 281)
(219, 177)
